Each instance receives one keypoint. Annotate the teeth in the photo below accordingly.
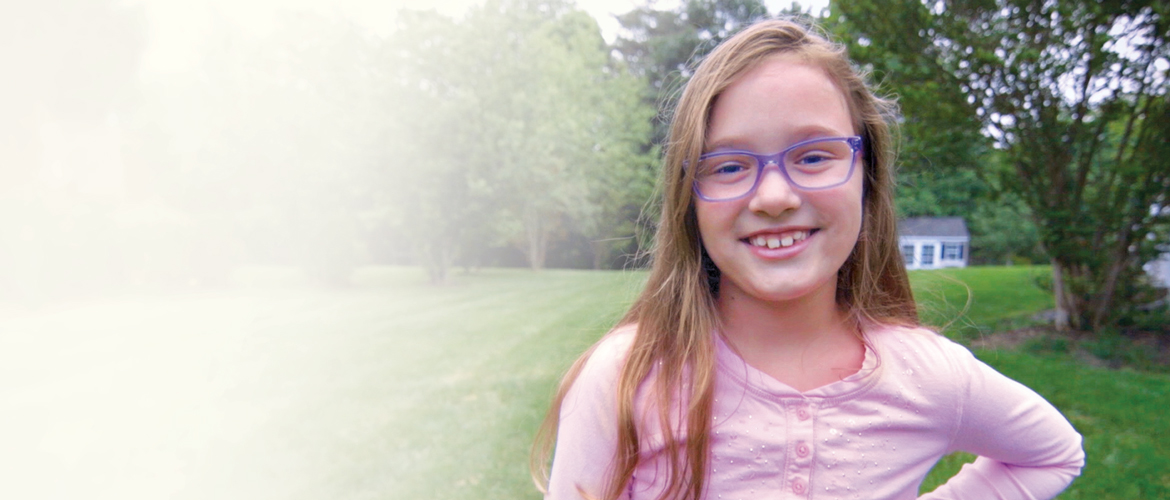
(779, 241)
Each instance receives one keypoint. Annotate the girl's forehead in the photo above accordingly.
(786, 98)
(785, 70)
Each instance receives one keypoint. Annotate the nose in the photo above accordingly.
(774, 195)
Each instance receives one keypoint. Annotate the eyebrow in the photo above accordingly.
(801, 135)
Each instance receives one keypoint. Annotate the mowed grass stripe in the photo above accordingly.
(391, 389)
(396, 389)
(536, 334)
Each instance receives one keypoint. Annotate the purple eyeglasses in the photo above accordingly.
(809, 165)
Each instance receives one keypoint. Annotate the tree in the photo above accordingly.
(429, 203)
(1075, 95)
(542, 119)
(624, 175)
(279, 141)
(942, 155)
(661, 46)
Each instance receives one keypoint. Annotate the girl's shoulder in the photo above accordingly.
(921, 347)
(605, 359)
(614, 346)
(908, 337)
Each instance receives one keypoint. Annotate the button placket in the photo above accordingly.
(800, 446)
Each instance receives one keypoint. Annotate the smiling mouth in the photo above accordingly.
(778, 240)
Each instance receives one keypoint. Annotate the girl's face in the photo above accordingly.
(778, 103)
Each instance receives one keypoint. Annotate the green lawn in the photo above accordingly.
(978, 300)
(395, 389)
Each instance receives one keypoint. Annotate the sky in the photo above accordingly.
(178, 28)
(602, 10)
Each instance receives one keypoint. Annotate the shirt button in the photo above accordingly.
(802, 449)
(799, 486)
(802, 414)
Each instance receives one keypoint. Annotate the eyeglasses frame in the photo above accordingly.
(762, 161)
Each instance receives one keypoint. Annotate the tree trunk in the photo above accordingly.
(1061, 294)
(437, 260)
(1103, 302)
(598, 247)
(536, 236)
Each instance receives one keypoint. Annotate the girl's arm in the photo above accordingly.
(587, 434)
(1026, 448)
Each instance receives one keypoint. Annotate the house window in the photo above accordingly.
(927, 255)
(908, 254)
(952, 251)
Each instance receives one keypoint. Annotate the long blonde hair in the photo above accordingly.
(675, 314)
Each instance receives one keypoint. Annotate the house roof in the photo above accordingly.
(933, 226)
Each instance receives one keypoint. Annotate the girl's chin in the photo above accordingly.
(776, 292)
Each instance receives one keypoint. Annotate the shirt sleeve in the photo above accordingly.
(587, 433)
(1026, 448)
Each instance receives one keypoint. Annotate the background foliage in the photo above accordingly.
(516, 135)
(1071, 95)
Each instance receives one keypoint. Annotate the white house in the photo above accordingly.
(1159, 270)
(934, 242)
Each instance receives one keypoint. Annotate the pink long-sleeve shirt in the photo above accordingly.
(872, 435)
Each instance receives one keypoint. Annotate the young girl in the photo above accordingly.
(775, 351)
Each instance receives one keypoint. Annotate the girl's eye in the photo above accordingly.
(730, 167)
(726, 167)
(816, 159)
(813, 158)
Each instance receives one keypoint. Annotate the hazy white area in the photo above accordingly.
(154, 144)
(251, 394)
(165, 167)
